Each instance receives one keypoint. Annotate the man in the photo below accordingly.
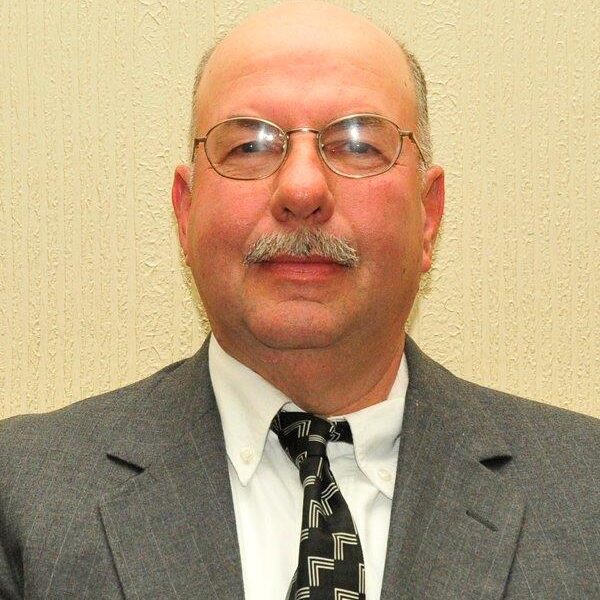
(308, 214)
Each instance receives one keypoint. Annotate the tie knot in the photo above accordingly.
(302, 434)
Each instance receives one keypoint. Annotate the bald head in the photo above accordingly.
(309, 34)
(306, 29)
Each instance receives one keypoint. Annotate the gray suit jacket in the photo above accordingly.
(127, 495)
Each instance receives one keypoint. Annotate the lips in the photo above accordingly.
(311, 259)
(305, 270)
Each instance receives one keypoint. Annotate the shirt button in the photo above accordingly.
(247, 455)
(384, 474)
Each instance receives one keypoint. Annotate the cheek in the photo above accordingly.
(216, 261)
(222, 222)
(387, 221)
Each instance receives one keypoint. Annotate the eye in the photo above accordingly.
(249, 147)
(356, 147)
(350, 148)
(260, 145)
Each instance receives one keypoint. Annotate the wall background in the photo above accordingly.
(93, 116)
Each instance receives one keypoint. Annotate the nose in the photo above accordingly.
(302, 192)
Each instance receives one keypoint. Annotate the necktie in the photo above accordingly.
(330, 559)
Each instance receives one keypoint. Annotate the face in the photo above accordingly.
(391, 219)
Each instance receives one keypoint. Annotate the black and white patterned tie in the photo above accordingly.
(330, 559)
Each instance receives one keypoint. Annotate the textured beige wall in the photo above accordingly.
(93, 113)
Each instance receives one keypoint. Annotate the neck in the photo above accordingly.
(331, 381)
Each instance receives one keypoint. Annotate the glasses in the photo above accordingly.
(356, 146)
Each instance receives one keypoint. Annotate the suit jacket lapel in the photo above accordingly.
(455, 521)
(171, 526)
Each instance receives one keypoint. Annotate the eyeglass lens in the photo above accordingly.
(247, 148)
(361, 145)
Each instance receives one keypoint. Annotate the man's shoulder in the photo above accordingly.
(530, 427)
(523, 419)
(89, 422)
(508, 406)
(545, 454)
(524, 413)
(76, 455)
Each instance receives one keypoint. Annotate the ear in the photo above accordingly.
(181, 196)
(433, 193)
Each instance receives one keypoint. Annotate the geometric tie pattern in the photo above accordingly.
(330, 559)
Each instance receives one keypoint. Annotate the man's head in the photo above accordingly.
(304, 65)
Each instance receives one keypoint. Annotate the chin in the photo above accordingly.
(295, 332)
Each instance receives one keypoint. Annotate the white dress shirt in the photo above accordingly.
(267, 493)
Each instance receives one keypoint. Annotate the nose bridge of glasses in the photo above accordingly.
(289, 132)
(302, 130)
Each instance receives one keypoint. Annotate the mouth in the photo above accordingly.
(311, 259)
(302, 269)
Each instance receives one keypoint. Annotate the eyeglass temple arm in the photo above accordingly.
(411, 136)
(197, 141)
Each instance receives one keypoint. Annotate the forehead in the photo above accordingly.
(305, 73)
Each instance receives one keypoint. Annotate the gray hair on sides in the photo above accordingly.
(423, 128)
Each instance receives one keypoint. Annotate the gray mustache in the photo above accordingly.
(300, 243)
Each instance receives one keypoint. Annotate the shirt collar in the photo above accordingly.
(376, 434)
(247, 404)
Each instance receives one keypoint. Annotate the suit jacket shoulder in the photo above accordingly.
(534, 430)
(122, 495)
(496, 496)
(62, 439)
